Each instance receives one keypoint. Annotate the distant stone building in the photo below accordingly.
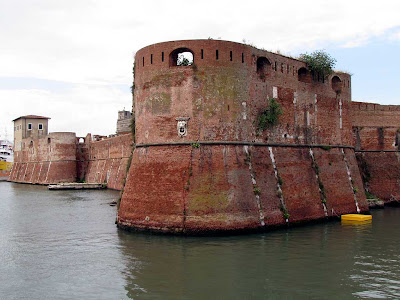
(49, 158)
(124, 122)
(29, 126)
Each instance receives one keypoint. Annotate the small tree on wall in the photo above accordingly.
(269, 116)
(319, 62)
(183, 60)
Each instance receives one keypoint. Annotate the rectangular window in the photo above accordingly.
(151, 58)
(40, 126)
(202, 53)
(216, 53)
(231, 56)
(29, 126)
(162, 56)
(143, 61)
(242, 58)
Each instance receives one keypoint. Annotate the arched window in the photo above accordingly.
(336, 84)
(181, 57)
(302, 75)
(263, 66)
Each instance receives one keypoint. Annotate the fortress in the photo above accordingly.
(201, 162)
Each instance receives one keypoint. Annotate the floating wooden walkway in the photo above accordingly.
(76, 186)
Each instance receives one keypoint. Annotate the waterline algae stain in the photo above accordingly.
(67, 246)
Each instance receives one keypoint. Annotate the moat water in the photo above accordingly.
(65, 245)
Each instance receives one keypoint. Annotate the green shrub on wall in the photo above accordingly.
(319, 62)
(270, 116)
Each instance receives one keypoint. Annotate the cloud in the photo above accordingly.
(90, 44)
(69, 110)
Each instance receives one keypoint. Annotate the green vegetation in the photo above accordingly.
(284, 211)
(196, 145)
(319, 62)
(187, 185)
(280, 181)
(256, 190)
(322, 189)
(270, 116)
(366, 175)
(371, 196)
(321, 186)
(355, 190)
(133, 83)
(132, 126)
(183, 61)
(326, 147)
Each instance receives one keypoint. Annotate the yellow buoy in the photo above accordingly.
(356, 218)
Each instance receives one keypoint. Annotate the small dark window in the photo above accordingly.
(263, 66)
(231, 55)
(48, 140)
(40, 126)
(151, 58)
(336, 84)
(29, 126)
(202, 54)
(302, 75)
(143, 61)
(242, 57)
(216, 54)
(162, 56)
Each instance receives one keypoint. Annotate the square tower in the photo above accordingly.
(29, 126)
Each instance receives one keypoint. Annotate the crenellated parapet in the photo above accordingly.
(222, 92)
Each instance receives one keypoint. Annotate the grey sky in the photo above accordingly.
(72, 60)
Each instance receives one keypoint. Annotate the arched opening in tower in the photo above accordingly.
(181, 57)
(302, 75)
(336, 84)
(263, 66)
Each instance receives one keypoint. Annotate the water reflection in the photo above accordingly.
(318, 261)
(64, 244)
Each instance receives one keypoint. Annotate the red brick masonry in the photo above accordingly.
(234, 176)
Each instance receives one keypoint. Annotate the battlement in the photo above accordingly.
(361, 106)
(219, 95)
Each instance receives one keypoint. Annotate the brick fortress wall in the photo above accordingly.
(225, 174)
(50, 159)
(106, 160)
(61, 157)
(376, 133)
